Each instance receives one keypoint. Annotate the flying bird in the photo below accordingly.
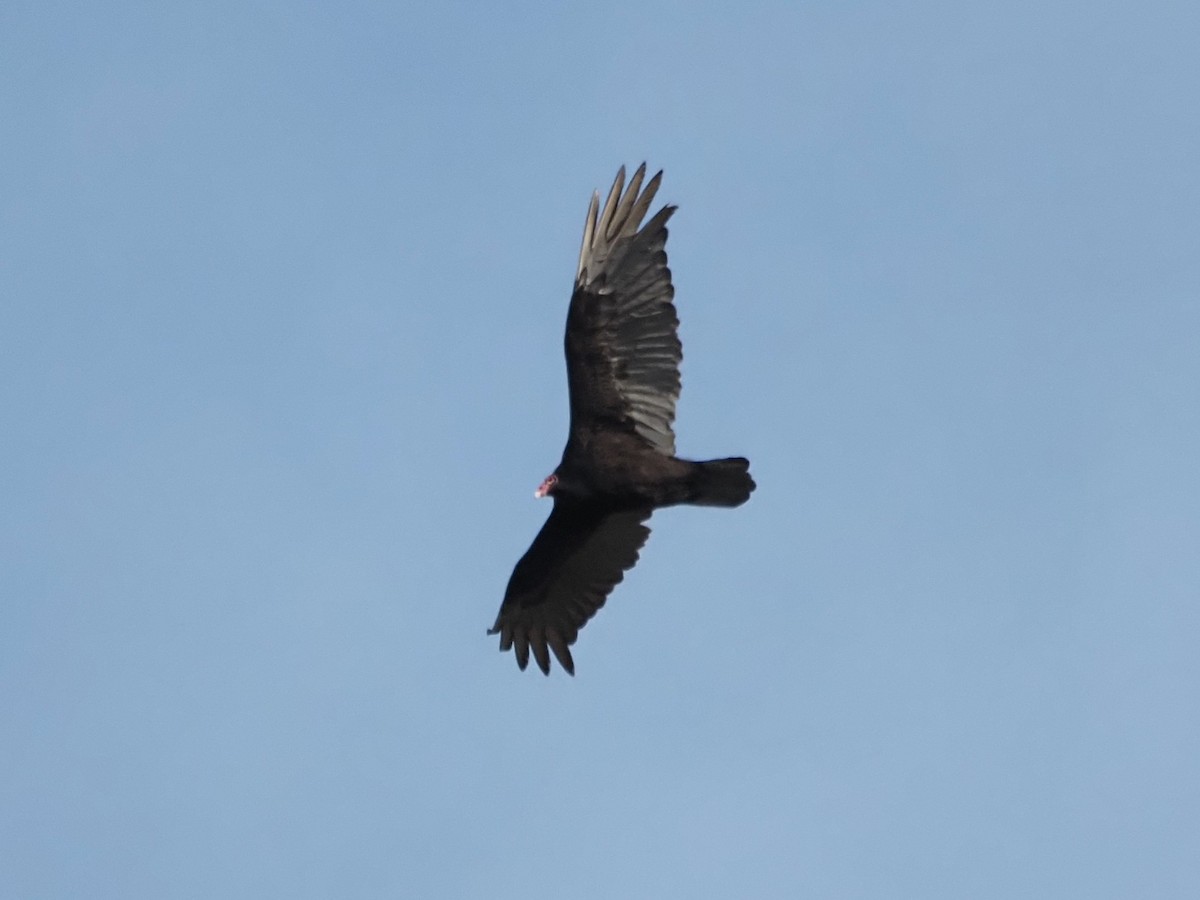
(619, 464)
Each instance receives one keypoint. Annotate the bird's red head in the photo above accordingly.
(546, 488)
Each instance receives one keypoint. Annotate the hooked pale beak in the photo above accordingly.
(546, 488)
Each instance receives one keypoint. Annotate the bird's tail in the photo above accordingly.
(721, 482)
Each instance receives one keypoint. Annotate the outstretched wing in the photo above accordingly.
(622, 348)
(580, 554)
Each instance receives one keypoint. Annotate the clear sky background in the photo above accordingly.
(282, 290)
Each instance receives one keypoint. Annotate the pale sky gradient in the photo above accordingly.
(282, 289)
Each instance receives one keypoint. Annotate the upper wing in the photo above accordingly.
(580, 554)
(622, 349)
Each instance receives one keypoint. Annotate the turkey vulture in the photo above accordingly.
(619, 464)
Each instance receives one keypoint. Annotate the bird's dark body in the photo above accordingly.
(619, 463)
(612, 465)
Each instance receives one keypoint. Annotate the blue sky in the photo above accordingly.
(282, 289)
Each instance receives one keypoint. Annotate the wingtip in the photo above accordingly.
(619, 216)
(561, 649)
(610, 205)
(589, 233)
